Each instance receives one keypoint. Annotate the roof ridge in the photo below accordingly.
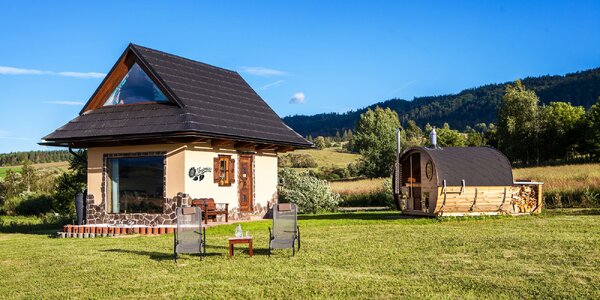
(183, 58)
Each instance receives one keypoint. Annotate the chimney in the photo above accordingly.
(433, 138)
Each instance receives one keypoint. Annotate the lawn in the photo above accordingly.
(360, 255)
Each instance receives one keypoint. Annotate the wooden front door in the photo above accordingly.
(246, 184)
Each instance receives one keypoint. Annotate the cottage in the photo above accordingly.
(160, 125)
(437, 181)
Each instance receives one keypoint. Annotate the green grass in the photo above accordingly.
(361, 255)
(329, 157)
(60, 166)
(3, 170)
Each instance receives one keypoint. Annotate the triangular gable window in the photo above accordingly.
(136, 87)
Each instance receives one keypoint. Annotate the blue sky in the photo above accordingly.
(302, 58)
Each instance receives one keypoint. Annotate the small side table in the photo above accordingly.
(240, 240)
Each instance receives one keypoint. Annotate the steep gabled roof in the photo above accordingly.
(206, 101)
(478, 166)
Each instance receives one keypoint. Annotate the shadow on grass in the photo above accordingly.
(158, 256)
(358, 216)
(38, 229)
(572, 211)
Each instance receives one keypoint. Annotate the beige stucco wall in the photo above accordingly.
(180, 158)
(266, 179)
(174, 170)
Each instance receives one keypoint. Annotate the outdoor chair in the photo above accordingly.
(285, 227)
(190, 236)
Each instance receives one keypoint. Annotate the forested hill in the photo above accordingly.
(18, 158)
(469, 107)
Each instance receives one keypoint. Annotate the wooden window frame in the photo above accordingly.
(224, 170)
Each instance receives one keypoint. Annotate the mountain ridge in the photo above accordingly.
(465, 108)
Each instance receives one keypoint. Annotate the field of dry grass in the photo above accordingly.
(563, 178)
(555, 178)
(58, 166)
(362, 186)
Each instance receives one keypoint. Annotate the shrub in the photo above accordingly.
(28, 204)
(330, 173)
(579, 198)
(309, 193)
(297, 161)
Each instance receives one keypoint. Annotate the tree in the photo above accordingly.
(28, 176)
(320, 143)
(413, 135)
(475, 139)
(592, 129)
(560, 123)
(518, 126)
(69, 184)
(447, 137)
(375, 140)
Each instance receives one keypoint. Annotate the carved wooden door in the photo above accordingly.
(245, 183)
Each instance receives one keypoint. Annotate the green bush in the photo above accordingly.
(330, 173)
(311, 194)
(28, 204)
(582, 198)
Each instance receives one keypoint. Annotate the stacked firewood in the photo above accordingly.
(525, 199)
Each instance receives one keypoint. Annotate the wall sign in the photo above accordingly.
(197, 174)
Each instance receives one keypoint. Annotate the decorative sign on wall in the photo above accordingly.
(197, 174)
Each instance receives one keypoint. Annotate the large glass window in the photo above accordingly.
(136, 87)
(135, 185)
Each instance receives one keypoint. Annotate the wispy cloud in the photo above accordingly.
(395, 91)
(8, 135)
(261, 71)
(271, 85)
(298, 98)
(4, 70)
(78, 103)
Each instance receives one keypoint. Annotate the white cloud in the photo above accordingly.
(261, 71)
(271, 85)
(82, 75)
(78, 103)
(297, 98)
(4, 70)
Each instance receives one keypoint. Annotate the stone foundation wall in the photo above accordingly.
(96, 213)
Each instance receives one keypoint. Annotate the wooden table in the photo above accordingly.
(240, 240)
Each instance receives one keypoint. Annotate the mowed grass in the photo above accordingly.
(360, 255)
(562, 178)
(60, 166)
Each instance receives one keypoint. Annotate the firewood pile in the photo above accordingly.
(525, 199)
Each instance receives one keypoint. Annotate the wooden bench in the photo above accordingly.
(212, 209)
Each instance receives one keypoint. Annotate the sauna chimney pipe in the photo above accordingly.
(433, 138)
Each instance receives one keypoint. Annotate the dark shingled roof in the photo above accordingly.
(478, 166)
(208, 101)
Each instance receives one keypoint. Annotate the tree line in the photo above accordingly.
(19, 158)
(528, 133)
(467, 108)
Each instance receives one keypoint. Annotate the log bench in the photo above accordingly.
(211, 209)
